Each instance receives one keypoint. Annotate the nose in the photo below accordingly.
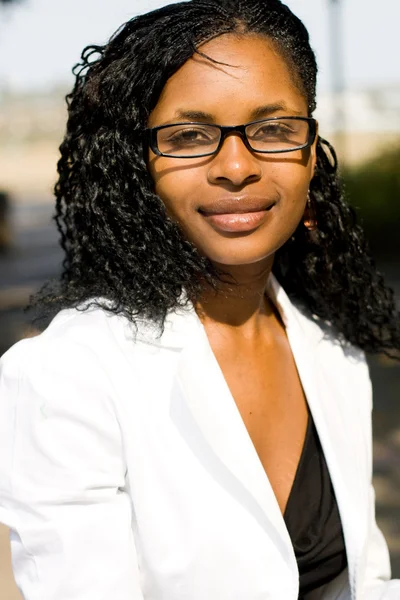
(234, 164)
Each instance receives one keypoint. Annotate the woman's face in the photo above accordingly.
(202, 194)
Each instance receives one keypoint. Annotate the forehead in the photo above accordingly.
(253, 75)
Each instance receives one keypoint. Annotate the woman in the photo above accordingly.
(195, 423)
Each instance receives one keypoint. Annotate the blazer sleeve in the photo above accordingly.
(62, 475)
(377, 584)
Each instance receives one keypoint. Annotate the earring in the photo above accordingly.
(309, 219)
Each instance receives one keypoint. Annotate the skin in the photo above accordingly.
(244, 328)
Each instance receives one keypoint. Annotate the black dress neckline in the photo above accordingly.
(299, 469)
(312, 518)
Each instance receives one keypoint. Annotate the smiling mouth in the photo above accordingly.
(243, 220)
(238, 205)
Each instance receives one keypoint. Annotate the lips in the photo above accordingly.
(237, 206)
(237, 215)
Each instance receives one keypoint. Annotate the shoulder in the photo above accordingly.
(74, 349)
(341, 363)
(86, 330)
(58, 409)
(318, 337)
(58, 394)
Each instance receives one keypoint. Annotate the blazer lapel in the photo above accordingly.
(329, 396)
(206, 414)
(337, 423)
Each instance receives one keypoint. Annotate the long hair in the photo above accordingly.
(119, 243)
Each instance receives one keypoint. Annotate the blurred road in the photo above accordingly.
(35, 257)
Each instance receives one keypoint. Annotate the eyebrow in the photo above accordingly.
(258, 113)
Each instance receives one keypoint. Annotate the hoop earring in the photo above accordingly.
(309, 219)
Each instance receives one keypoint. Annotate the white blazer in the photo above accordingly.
(127, 473)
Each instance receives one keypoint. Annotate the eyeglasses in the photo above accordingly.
(268, 136)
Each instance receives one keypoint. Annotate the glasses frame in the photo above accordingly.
(151, 134)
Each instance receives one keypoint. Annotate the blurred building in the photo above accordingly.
(371, 119)
(31, 129)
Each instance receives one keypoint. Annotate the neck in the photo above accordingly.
(242, 306)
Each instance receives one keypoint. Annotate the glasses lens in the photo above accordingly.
(188, 139)
(278, 135)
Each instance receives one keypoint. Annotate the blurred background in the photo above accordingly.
(358, 51)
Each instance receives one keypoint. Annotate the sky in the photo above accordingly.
(40, 40)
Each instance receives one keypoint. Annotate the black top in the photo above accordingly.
(312, 519)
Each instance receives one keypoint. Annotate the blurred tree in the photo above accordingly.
(374, 190)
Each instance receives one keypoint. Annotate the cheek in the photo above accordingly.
(173, 196)
(293, 182)
(176, 186)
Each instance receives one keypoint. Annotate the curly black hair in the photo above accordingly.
(120, 244)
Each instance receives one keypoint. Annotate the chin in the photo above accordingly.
(236, 260)
(240, 251)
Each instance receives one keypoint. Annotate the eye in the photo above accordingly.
(187, 136)
(273, 129)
